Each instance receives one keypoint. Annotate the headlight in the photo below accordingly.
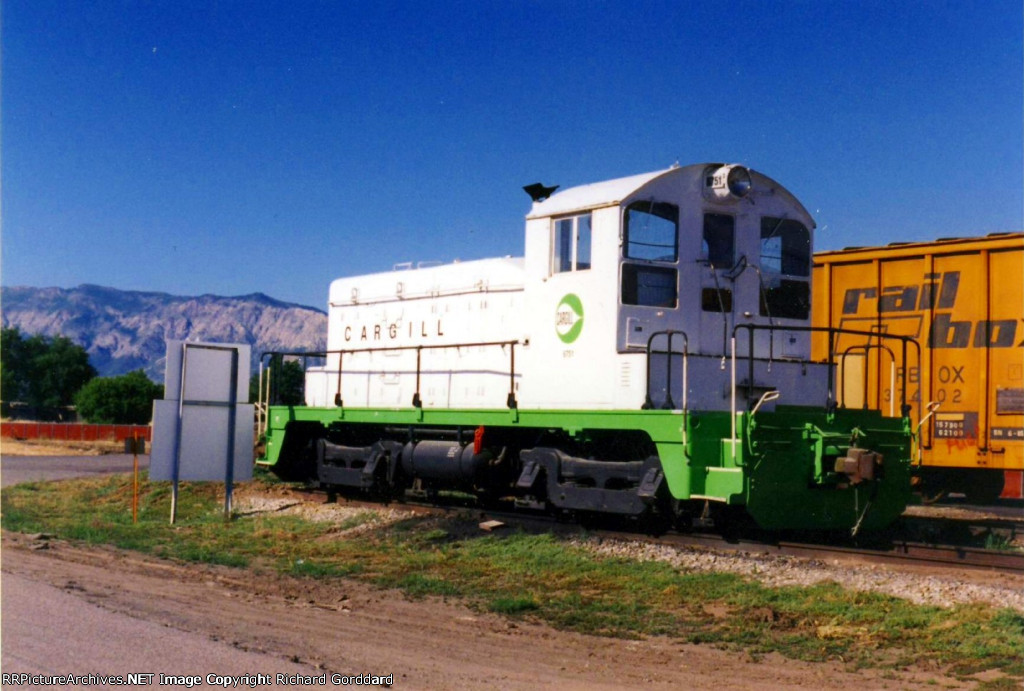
(739, 181)
(727, 183)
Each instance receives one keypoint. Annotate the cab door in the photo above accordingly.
(649, 293)
(648, 272)
(718, 299)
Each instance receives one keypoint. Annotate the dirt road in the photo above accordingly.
(17, 469)
(350, 628)
(40, 618)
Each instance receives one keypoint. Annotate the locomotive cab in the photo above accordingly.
(694, 250)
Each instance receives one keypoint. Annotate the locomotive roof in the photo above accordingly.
(597, 194)
(613, 192)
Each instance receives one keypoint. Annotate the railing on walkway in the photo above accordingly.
(273, 380)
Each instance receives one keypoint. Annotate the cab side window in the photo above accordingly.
(571, 246)
(651, 286)
(650, 250)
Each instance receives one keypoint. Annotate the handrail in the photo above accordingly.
(892, 372)
(669, 403)
(417, 401)
(832, 332)
(930, 408)
(273, 374)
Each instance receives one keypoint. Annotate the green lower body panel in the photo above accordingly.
(791, 468)
(849, 470)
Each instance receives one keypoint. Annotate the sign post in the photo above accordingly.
(135, 445)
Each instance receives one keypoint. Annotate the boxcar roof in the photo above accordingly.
(894, 250)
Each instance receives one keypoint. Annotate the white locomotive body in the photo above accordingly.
(694, 249)
(378, 325)
(648, 355)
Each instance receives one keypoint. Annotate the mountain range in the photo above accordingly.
(125, 330)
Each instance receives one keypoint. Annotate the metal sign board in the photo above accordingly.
(207, 376)
(203, 429)
(204, 443)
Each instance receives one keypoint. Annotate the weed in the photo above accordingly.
(999, 542)
(418, 585)
(513, 605)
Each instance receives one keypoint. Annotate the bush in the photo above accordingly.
(125, 400)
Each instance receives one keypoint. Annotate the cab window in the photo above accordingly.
(785, 247)
(571, 246)
(651, 231)
(650, 286)
(785, 268)
(719, 241)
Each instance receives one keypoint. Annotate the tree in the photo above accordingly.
(127, 399)
(14, 365)
(288, 381)
(59, 372)
(42, 371)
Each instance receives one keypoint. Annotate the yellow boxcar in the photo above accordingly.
(963, 300)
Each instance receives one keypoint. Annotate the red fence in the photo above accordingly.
(72, 431)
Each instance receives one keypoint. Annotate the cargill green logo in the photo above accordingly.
(569, 318)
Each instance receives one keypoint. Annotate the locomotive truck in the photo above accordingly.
(648, 355)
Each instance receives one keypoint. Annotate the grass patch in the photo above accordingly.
(538, 577)
(513, 605)
(420, 585)
(323, 569)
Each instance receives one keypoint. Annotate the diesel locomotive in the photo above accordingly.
(648, 355)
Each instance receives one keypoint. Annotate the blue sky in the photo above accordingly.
(234, 147)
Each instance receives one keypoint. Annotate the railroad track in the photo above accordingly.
(896, 553)
(961, 556)
(1008, 512)
(970, 529)
(893, 551)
